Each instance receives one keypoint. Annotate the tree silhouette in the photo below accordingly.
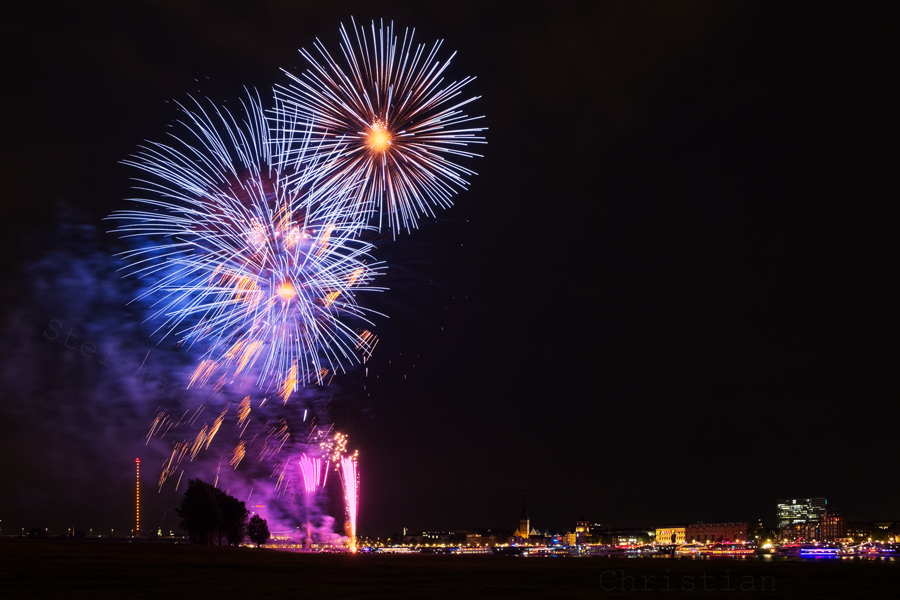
(234, 524)
(258, 530)
(208, 513)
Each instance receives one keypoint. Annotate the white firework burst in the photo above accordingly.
(244, 254)
(398, 125)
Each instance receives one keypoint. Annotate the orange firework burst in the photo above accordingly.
(396, 128)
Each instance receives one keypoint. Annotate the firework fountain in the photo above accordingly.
(350, 480)
(253, 229)
(310, 468)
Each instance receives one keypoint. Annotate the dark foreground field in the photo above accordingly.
(98, 569)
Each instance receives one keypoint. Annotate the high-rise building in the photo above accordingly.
(801, 511)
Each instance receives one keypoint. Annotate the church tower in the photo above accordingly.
(524, 522)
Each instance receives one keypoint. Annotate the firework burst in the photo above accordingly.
(395, 126)
(244, 253)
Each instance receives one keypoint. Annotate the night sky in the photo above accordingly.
(669, 295)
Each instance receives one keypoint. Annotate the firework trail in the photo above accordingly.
(350, 480)
(310, 469)
(394, 126)
(247, 256)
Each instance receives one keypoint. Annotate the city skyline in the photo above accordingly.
(783, 515)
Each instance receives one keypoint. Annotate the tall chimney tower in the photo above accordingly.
(137, 497)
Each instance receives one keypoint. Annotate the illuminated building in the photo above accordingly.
(458, 536)
(672, 534)
(629, 537)
(598, 533)
(858, 529)
(436, 537)
(594, 532)
(795, 511)
(487, 537)
(828, 528)
(524, 531)
(717, 532)
(622, 536)
(832, 526)
(885, 531)
(490, 536)
(581, 534)
(410, 537)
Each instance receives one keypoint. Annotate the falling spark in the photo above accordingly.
(238, 455)
(243, 410)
